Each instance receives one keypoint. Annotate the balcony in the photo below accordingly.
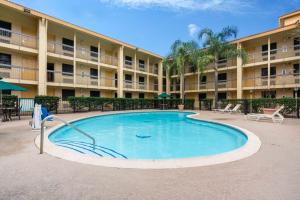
(86, 54)
(210, 85)
(175, 87)
(153, 69)
(153, 87)
(128, 84)
(129, 64)
(142, 67)
(108, 82)
(19, 39)
(141, 86)
(18, 73)
(277, 81)
(279, 53)
(61, 49)
(108, 59)
(59, 77)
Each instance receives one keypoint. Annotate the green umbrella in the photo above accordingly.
(164, 95)
(8, 86)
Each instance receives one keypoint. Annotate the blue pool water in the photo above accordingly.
(149, 135)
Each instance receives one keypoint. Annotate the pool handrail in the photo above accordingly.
(66, 123)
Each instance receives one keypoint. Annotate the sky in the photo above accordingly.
(155, 24)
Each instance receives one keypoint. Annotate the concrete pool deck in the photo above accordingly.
(272, 173)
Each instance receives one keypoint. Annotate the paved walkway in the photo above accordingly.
(272, 173)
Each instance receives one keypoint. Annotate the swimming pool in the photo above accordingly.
(149, 136)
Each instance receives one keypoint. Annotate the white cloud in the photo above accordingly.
(193, 30)
(224, 5)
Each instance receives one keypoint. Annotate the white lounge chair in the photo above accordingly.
(275, 117)
(236, 109)
(226, 109)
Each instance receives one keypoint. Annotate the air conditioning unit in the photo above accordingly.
(272, 82)
(5, 74)
(297, 80)
(297, 54)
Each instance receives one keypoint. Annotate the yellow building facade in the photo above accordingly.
(49, 56)
(271, 69)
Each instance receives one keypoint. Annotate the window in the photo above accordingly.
(222, 77)
(5, 29)
(68, 44)
(128, 60)
(116, 95)
(141, 95)
(94, 73)
(128, 77)
(141, 79)
(222, 60)
(141, 63)
(67, 93)
(264, 50)
(273, 72)
(50, 72)
(94, 93)
(222, 95)
(203, 80)
(94, 51)
(5, 60)
(273, 49)
(264, 72)
(116, 80)
(67, 70)
(297, 43)
(296, 70)
(128, 95)
(268, 94)
(202, 96)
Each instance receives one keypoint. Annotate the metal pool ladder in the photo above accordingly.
(66, 123)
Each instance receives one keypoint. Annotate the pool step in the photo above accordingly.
(88, 148)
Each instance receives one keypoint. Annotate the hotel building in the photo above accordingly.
(271, 69)
(49, 56)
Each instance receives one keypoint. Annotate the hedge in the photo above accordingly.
(50, 102)
(97, 103)
(258, 104)
(9, 100)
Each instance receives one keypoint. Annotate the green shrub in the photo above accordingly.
(50, 102)
(9, 100)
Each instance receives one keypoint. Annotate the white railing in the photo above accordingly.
(20, 39)
(18, 72)
(61, 49)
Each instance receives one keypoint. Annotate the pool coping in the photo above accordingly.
(249, 148)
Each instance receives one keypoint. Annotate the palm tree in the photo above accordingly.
(182, 55)
(216, 46)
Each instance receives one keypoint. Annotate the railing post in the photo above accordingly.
(298, 107)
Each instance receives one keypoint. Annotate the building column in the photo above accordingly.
(239, 74)
(74, 61)
(160, 77)
(168, 86)
(42, 56)
(99, 65)
(134, 73)
(121, 72)
(148, 77)
(269, 61)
